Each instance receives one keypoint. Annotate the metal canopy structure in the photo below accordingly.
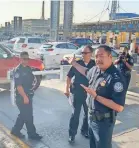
(121, 25)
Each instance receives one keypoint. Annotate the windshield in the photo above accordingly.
(7, 49)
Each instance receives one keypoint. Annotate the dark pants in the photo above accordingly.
(79, 100)
(100, 133)
(25, 116)
(127, 79)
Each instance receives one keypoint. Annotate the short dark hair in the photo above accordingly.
(106, 48)
(24, 53)
(89, 47)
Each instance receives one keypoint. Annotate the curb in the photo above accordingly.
(131, 93)
(7, 140)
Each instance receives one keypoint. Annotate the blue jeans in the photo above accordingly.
(100, 133)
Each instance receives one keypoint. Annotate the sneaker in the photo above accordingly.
(19, 135)
(71, 139)
(85, 134)
(35, 137)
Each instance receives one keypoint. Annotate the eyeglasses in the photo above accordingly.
(85, 52)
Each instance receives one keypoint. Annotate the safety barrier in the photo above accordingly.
(133, 82)
(63, 74)
(64, 69)
(12, 88)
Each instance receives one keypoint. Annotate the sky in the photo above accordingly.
(84, 10)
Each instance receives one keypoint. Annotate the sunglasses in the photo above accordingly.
(85, 52)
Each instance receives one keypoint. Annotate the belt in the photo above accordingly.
(97, 116)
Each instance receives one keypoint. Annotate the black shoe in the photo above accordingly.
(19, 135)
(71, 139)
(85, 134)
(35, 137)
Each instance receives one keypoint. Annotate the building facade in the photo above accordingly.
(34, 26)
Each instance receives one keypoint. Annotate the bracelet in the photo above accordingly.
(96, 97)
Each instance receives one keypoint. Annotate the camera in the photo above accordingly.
(122, 56)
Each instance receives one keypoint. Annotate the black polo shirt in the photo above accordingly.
(23, 76)
(78, 77)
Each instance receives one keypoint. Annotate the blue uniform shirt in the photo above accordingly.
(109, 84)
(78, 77)
(123, 68)
(23, 76)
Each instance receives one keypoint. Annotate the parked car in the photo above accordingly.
(11, 42)
(29, 44)
(9, 60)
(78, 55)
(53, 52)
(82, 41)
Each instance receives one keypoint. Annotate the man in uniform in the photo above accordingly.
(124, 64)
(24, 80)
(106, 97)
(78, 94)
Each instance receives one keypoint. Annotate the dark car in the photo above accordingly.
(82, 41)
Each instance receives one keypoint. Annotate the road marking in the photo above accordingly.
(17, 141)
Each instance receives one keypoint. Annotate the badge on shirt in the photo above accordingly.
(103, 83)
(16, 75)
(118, 87)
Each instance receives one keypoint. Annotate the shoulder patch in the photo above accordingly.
(118, 87)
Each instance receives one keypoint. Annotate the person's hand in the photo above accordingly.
(89, 90)
(26, 100)
(71, 60)
(67, 93)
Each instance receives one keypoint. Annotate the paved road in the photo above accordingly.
(52, 113)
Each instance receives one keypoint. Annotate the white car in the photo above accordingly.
(53, 52)
(11, 42)
(29, 44)
(78, 55)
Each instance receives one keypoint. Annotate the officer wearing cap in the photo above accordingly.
(24, 87)
(78, 94)
(106, 96)
(124, 64)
